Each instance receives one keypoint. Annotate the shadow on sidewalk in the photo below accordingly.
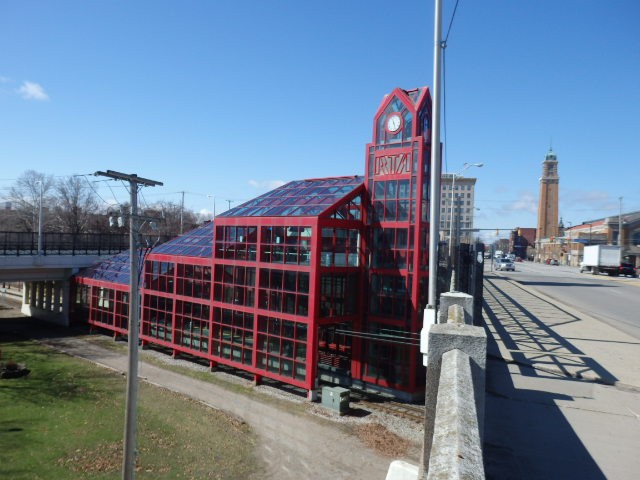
(529, 369)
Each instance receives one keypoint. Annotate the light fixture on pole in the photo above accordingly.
(453, 197)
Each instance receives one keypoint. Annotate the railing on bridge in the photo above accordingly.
(26, 243)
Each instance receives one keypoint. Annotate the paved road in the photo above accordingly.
(615, 300)
(563, 389)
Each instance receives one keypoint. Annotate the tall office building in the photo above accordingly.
(457, 205)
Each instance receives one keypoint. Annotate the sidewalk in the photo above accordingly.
(563, 390)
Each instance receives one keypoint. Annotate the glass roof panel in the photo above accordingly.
(114, 269)
(196, 243)
(315, 194)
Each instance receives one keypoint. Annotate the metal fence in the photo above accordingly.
(26, 243)
(468, 262)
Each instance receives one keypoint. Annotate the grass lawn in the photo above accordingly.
(65, 420)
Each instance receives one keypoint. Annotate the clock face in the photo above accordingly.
(394, 122)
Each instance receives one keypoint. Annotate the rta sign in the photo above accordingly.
(392, 164)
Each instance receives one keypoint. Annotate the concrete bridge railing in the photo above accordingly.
(456, 353)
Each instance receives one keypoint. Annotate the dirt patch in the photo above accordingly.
(380, 439)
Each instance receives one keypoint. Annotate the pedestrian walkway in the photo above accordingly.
(563, 390)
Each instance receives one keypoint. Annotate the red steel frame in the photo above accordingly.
(407, 159)
(252, 345)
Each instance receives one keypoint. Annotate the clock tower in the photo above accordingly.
(548, 203)
(397, 181)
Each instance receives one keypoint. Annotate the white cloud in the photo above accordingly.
(525, 203)
(266, 184)
(4, 79)
(32, 91)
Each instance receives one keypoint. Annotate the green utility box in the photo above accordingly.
(336, 398)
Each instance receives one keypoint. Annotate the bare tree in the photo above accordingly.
(174, 219)
(25, 198)
(75, 204)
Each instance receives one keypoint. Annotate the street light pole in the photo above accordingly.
(214, 206)
(454, 196)
(434, 210)
(40, 220)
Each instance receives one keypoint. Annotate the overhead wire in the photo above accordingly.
(94, 190)
(443, 45)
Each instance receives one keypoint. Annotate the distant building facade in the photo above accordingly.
(457, 205)
(522, 241)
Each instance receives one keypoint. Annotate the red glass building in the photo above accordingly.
(318, 280)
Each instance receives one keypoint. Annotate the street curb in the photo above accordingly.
(578, 376)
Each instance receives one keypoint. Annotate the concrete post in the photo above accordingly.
(456, 298)
(443, 338)
(66, 301)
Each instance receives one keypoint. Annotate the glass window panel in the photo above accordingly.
(303, 282)
(392, 189)
(379, 188)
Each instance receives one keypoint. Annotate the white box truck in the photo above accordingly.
(601, 258)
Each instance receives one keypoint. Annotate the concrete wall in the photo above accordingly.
(456, 353)
(456, 450)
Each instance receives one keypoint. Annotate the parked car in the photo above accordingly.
(505, 264)
(628, 269)
(554, 261)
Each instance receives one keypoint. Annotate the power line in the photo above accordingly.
(443, 45)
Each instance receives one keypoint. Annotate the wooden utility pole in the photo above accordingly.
(129, 458)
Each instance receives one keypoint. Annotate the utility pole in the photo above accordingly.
(620, 222)
(129, 458)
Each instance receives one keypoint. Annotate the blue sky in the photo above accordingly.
(229, 99)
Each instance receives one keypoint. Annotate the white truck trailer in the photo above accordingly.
(601, 258)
